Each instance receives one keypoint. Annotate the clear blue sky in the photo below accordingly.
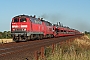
(72, 13)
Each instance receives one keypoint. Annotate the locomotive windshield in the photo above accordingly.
(16, 20)
(23, 20)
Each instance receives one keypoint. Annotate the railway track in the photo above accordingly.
(12, 50)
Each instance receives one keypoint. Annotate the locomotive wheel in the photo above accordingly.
(31, 37)
(38, 37)
(28, 38)
(15, 39)
(50, 36)
(41, 37)
(25, 39)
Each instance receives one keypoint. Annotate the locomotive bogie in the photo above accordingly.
(27, 36)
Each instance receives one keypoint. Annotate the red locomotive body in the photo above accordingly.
(25, 27)
(48, 29)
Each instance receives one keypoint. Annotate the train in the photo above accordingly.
(28, 27)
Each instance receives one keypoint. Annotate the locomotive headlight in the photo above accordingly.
(13, 29)
(24, 29)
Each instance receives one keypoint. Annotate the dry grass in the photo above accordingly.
(88, 36)
(77, 50)
(85, 41)
(5, 40)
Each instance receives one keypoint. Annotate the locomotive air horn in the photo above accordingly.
(38, 18)
(34, 16)
(41, 18)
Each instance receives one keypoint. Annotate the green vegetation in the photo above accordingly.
(86, 32)
(5, 35)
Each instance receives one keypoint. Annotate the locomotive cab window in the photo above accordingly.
(16, 20)
(61, 30)
(23, 20)
(64, 30)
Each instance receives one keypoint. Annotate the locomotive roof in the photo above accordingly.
(27, 16)
(46, 21)
(22, 16)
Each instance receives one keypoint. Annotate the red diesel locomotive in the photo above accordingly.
(24, 28)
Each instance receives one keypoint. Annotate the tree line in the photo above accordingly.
(5, 35)
(87, 32)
